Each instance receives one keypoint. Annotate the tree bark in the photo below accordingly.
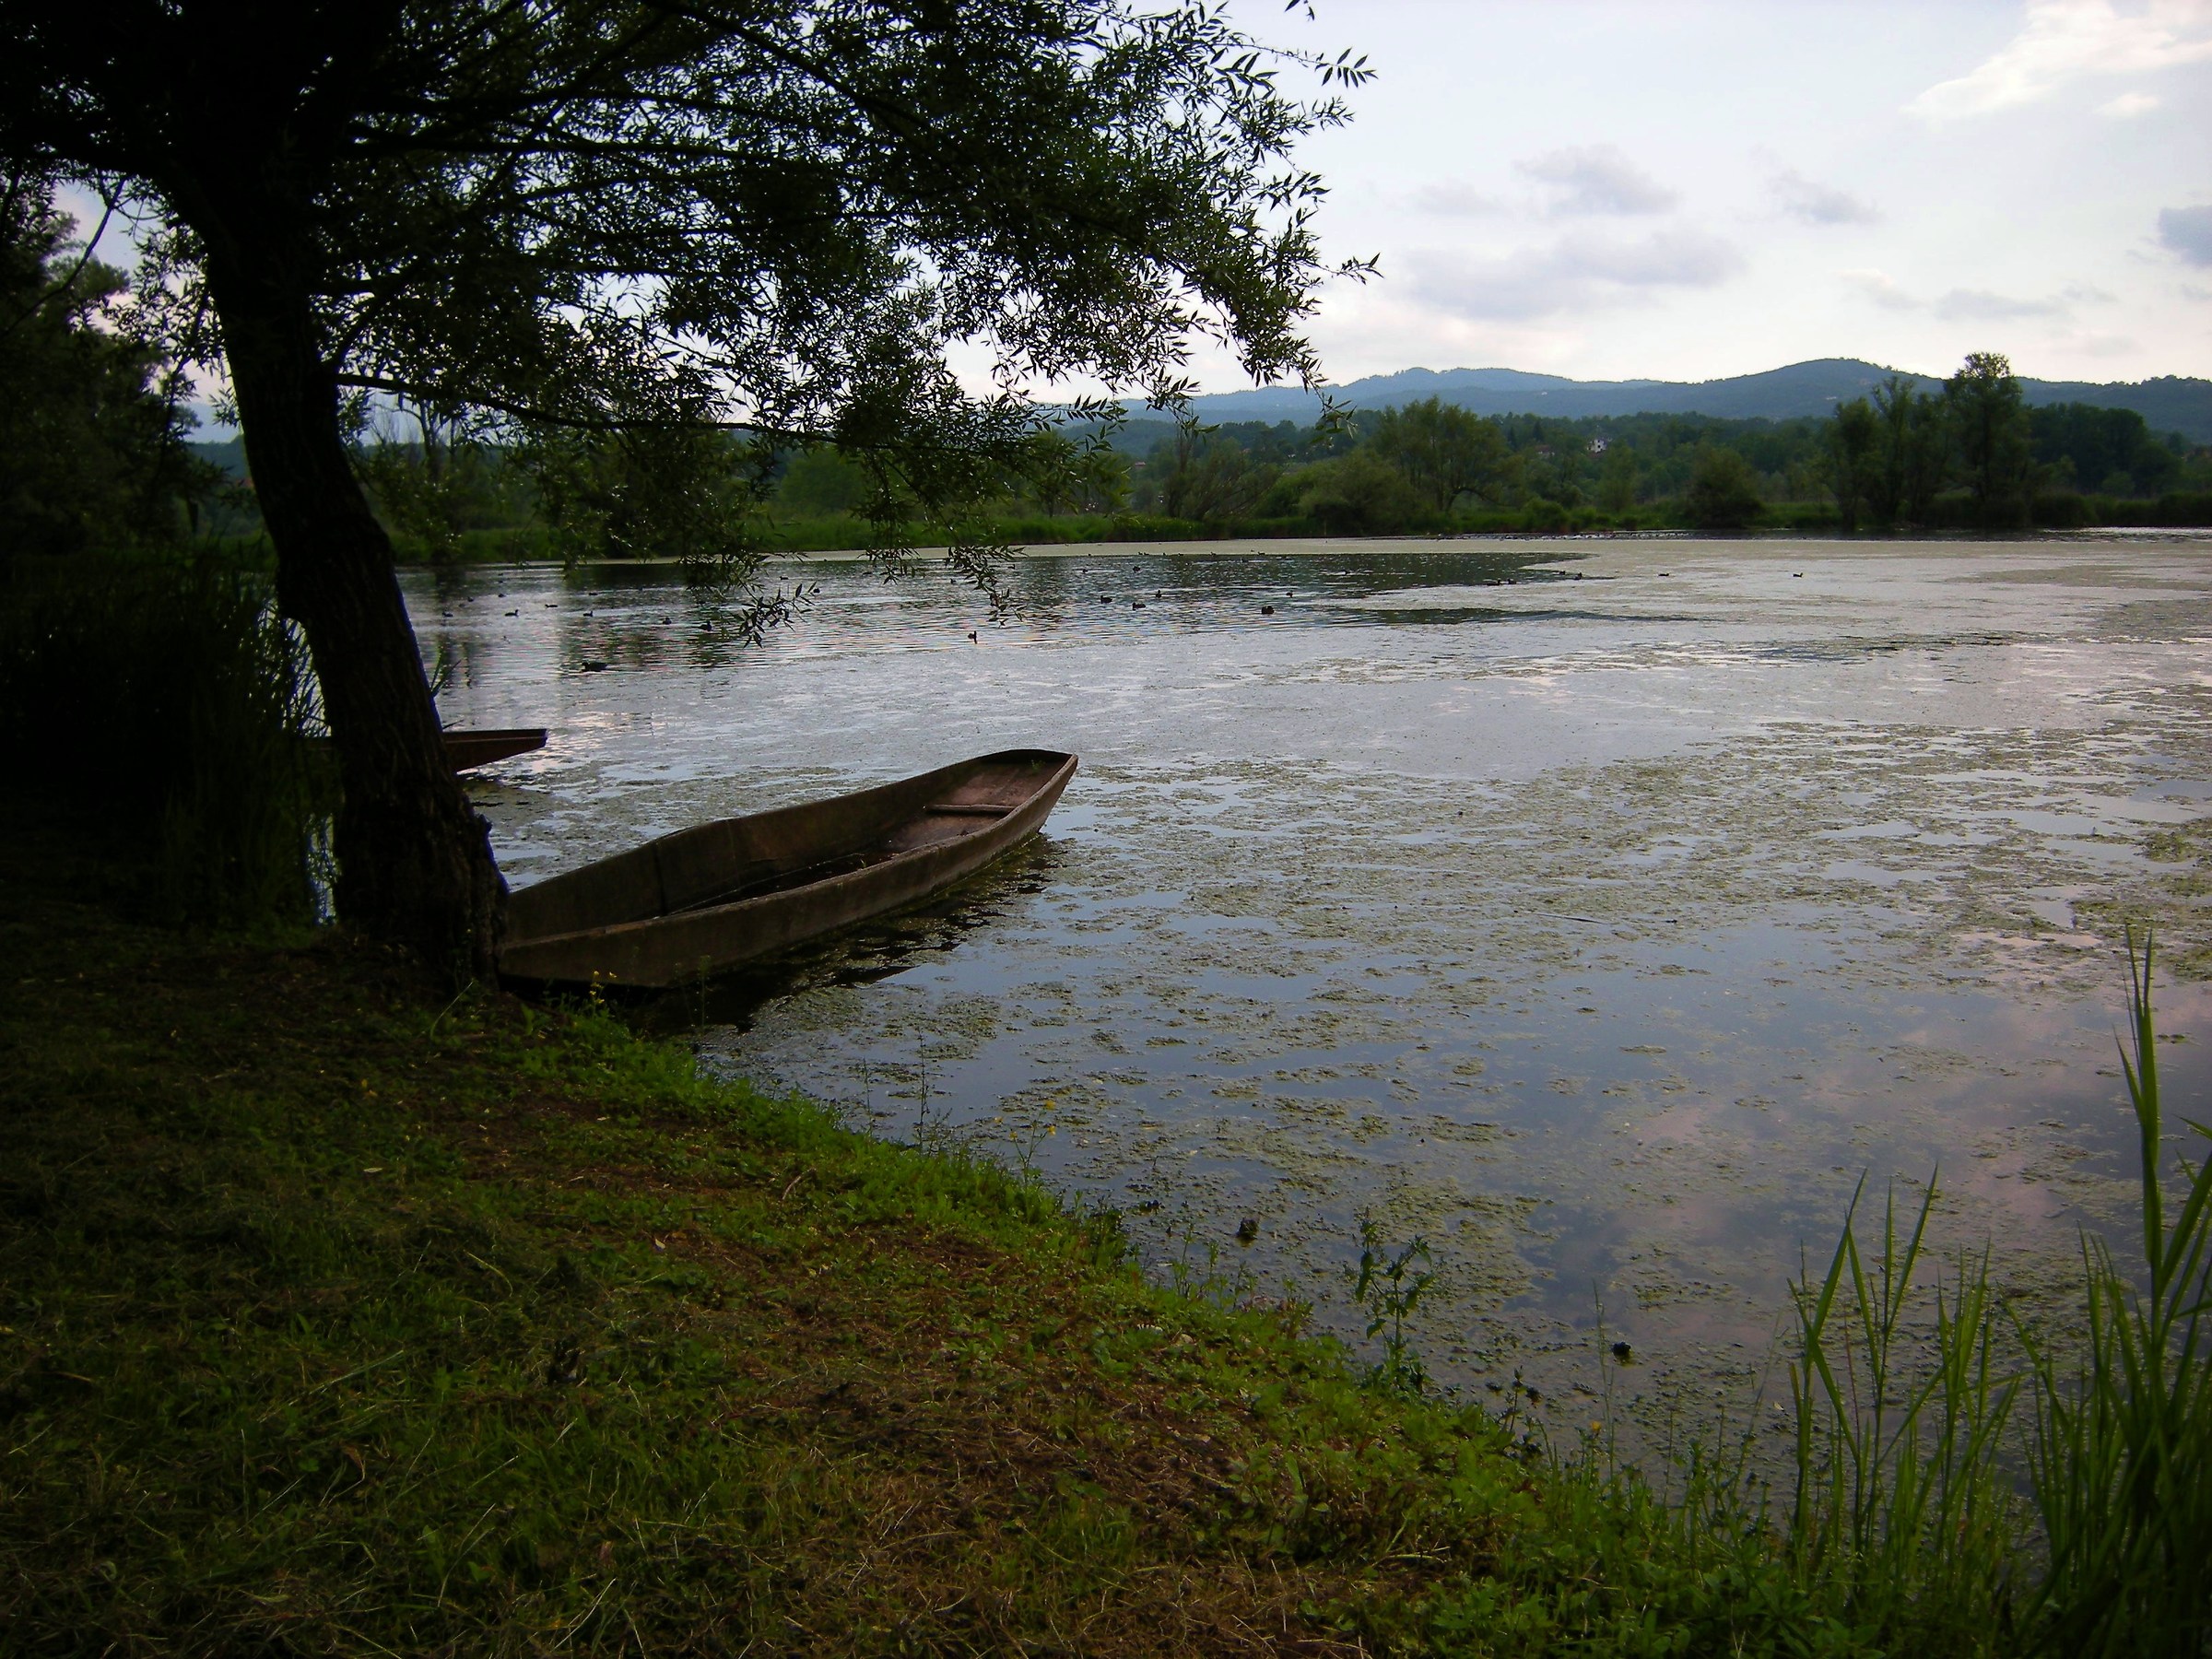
(414, 858)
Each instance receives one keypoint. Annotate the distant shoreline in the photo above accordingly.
(1318, 546)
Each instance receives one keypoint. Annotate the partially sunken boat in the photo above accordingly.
(479, 748)
(702, 900)
(482, 747)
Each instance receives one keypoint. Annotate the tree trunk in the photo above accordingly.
(414, 862)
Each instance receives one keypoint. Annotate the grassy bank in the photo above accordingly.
(340, 1319)
(337, 1316)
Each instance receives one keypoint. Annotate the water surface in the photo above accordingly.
(1602, 925)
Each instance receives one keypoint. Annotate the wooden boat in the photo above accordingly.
(704, 899)
(465, 750)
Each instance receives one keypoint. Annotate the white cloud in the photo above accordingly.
(2062, 40)
(1819, 204)
(2187, 232)
(1578, 273)
(1967, 305)
(1454, 201)
(2097, 344)
(2129, 105)
(1882, 289)
(1980, 305)
(1597, 179)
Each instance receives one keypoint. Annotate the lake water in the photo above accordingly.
(1601, 926)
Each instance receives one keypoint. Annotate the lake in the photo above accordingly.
(1601, 923)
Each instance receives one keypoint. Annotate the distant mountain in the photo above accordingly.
(2170, 404)
(227, 453)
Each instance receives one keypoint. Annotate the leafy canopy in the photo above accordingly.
(1443, 449)
(781, 219)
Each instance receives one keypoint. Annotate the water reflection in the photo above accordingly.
(649, 617)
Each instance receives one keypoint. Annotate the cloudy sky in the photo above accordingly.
(1687, 189)
(1682, 190)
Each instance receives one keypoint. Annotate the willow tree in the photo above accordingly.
(644, 224)
(1444, 451)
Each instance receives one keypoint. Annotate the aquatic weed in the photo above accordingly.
(1389, 1288)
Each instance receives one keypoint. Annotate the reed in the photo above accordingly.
(162, 702)
(1901, 1517)
(2120, 1447)
(1968, 1481)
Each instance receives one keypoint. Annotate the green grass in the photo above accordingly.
(340, 1317)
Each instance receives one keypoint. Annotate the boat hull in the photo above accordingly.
(686, 906)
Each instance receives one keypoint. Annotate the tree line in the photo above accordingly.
(1972, 455)
(96, 450)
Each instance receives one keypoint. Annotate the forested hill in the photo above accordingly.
(2168, 403)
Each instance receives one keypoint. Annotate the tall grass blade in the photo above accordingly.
(1900, 1525)
(2120, 1453)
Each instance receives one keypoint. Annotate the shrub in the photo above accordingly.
(1358, 495)
(1542, 515)
(1724, 492)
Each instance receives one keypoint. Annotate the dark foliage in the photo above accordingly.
(165, 709)
(91, 430)
(1724, 492)
(2104, 452)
